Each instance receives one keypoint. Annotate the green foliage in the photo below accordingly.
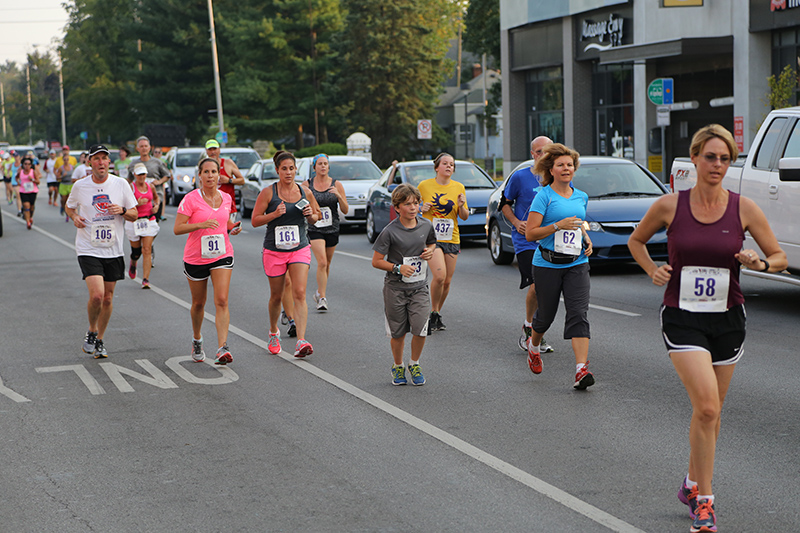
(393, 64)
(482, 28)
(782, 89)
(327, 148)
(44, 108)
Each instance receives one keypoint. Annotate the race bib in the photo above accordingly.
(568, 241)
(325, 218)
(102, 235)
(27, 186)
(140, 226)
(443, 228)
(420, 269)
(287, 237)
(212, 246)
(704, 289)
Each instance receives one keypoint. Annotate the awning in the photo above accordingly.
(689, 46)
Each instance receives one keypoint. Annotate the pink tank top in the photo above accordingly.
(691, 243)
(145, 210)
(26, 183)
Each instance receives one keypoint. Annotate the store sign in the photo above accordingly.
(778, 5)
(608, 33)
(682, 3)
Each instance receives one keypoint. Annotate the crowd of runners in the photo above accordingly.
(703, 331)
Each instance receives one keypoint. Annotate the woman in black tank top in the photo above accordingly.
(702, 317)
(286, 208)
(324, 235)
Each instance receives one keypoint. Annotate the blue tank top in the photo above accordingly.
(693, 243)
(292, 217)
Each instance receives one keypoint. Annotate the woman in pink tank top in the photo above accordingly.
(702, 317)
(28, 178)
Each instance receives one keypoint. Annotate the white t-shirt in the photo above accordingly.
(81, 171)
(49, 170)
(92, 200)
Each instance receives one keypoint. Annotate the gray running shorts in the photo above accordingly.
(407, 310)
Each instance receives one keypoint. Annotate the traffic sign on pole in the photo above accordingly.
(425, 129)
(661, 92)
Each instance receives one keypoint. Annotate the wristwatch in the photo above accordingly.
(124, 210)
(555, 226)
(396, 269)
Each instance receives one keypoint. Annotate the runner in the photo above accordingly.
(324, 234)
(444, 201)
(144, 229)
(15, 167)
(98, 206)
(561, 262)
(204, 214)
(7, 160)
(702, 315)
(28, 178)
(64, 173)
(229, 174)
(157, 172)
(49, 169)
(403, 250)
(121, 165)
(286, 208)
(521, 189)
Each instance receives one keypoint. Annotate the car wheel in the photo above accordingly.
(372, 232)
(495, 243)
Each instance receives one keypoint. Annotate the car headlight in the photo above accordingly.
(595, 226)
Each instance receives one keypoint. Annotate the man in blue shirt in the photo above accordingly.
(521, 189)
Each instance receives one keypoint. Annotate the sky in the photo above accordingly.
(28, 25)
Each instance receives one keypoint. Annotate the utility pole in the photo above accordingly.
(30, 120)
(3, 105)
(61, 91)
(216, 66)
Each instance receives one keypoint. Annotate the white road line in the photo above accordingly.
(545, 489)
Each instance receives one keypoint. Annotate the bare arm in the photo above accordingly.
(659, 215)
(756, 223)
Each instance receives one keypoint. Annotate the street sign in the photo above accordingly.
(660, 91)
(84, 135)
(221, 137)
(662, 115)
(425, 129)
(683, 106)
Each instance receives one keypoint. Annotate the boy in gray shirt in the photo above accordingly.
(402, 250)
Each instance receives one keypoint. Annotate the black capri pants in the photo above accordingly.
(573, 283)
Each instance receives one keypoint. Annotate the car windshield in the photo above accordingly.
(353, 170)
(242, 159)
(615, 179)
(187, 159)
(268, 171)
(467, 174)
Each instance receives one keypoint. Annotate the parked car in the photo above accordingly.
(479, 186)
(620, 193)
(357, 175)
(182, 163)
(261, 174)
(244, 157)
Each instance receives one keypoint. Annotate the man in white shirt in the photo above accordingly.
(98, 206)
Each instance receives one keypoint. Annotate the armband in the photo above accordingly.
(766, 266)
(504, 201)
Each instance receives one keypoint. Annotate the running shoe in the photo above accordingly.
(274, 345)
(583, 378)
(523, 339)
(292, 331)
(316, 298)
(89, 342)
(29, 224)
(132, 270)
(284, 318)
(223, 355)
(431, 323)
(706, 519)
(439, 324)
(534, 360)
(198, 355)
(100, 351)
(416, 375)
(322, 304)
(688, 496)
(544, 347)
(399, 375)
(19, 214)
(145, 283)
(303, 348)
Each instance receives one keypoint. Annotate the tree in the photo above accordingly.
(392, 67)
(482, 28)
(781, 90)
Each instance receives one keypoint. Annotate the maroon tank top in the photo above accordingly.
(693, 243)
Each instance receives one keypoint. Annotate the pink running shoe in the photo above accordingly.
(303, 348)
(274, 345)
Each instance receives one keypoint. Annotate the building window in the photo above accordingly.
(544, 98)
(612, 94)
(786, 51)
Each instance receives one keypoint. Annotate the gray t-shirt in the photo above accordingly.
(398, 244)
(156, 169)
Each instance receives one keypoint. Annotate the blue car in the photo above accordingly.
(620, 193)
(477, 184)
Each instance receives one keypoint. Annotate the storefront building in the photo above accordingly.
(582, 72)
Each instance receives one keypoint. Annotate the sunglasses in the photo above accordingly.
(713, 158)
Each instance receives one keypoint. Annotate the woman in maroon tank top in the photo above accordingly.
(702, 316)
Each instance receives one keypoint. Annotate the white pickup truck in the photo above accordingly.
(769, 175)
